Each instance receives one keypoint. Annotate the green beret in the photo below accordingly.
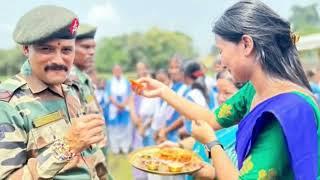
(44, 23)
(86, 31)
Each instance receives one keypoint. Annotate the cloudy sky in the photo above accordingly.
(114, 17)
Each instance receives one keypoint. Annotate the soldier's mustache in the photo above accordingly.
(56, 67)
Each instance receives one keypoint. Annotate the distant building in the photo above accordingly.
(309, 50)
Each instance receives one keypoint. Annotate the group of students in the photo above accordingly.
(135, 121)
(139, 115)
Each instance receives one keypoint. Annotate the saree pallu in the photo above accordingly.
(298, 117)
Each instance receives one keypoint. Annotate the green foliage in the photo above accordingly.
(155, 47)
(11, 61)
(305, 19)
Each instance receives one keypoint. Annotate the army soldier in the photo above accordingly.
(84, 54)
(43, 132)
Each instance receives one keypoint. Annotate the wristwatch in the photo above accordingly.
(209, 145)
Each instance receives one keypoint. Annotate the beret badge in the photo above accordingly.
(74, 26)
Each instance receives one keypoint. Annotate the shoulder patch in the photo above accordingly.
(5, 95)
(9, 86)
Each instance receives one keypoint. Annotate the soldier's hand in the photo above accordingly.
(85, 131)
(104, 142)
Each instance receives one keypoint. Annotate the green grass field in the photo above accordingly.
(120, 167)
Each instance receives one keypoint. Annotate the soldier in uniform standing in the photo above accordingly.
(85, 46)
(43, 132)
(84, 60)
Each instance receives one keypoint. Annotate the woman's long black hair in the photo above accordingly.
(277, 53)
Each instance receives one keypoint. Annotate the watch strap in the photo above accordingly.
(210, 145)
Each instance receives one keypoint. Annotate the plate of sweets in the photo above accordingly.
(165, 161)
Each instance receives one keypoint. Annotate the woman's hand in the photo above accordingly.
(151, 87)
(206, 172)
(203, 132)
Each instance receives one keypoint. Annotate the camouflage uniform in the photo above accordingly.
(33, 115)
(86, 93)
(86, 90)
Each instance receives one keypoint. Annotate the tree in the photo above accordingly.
(161, 45)
(305, 19)
(155, 46)
(11, 61)
(111, 51)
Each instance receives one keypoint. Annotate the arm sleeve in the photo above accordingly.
(236, 107)
(14, 161)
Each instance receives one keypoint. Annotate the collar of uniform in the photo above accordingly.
(65, 87)
(82, 76)
(72, 80)
(76, 69)
(37, 86)
(69, 81)
(73, 74)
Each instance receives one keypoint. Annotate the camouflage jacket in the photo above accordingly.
(33, 115)
(89, 102)
(86, 90)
